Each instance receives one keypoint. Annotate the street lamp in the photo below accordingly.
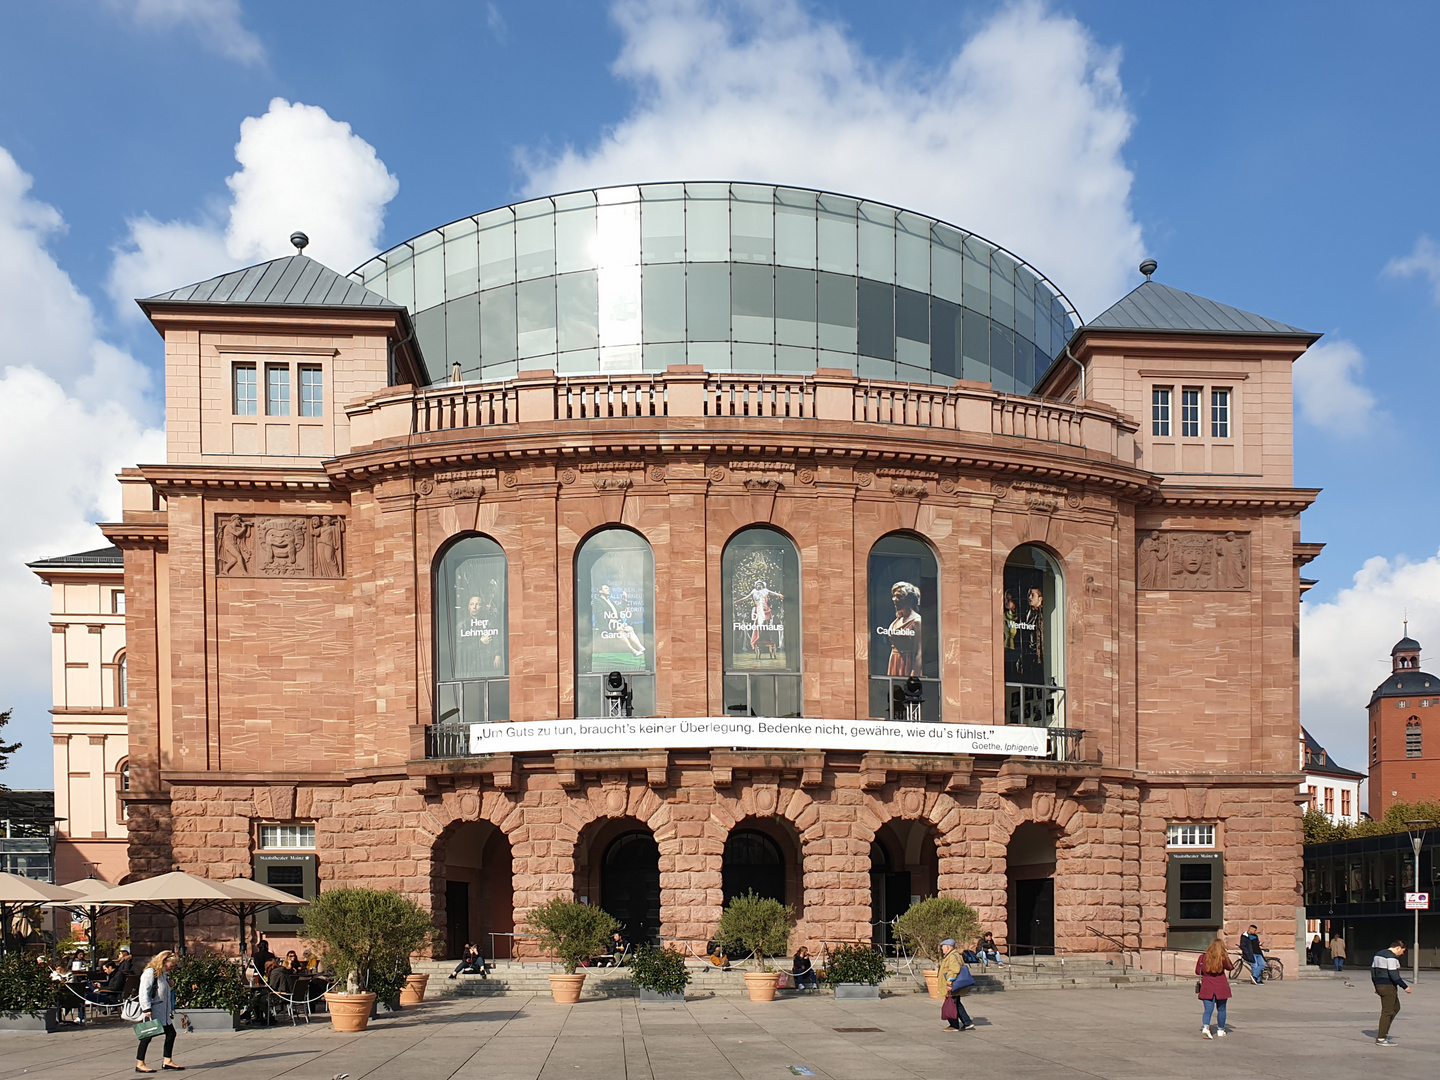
(1417, 841)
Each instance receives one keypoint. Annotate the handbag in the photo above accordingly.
(148, 1029)
(131, 1011)
(962, 981)
(949, 1010)
(784, 982)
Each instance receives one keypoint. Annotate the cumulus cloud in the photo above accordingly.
(1328, 389)
(1018, 135)
(1345, 647)
(217, 23)
(1423, 261)
(299, 169)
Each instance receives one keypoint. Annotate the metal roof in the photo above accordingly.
(1404, 684)
(101, 558)
(1405, 644)
(1321, 762)
(292, 281)
(1153, 306)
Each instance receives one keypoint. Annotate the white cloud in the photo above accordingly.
(1018, 136)
(1328, 388)
(299, 169)
(495, 22)
(1345, 647)
(1423, 260)
(216, 22)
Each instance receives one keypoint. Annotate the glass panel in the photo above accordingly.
(534, 240)
(707, 302)
(788, 701)
(877, 242)
(1033, 626)
(497, 248)
(745, 356)
(871, 368)
(912, 315)
(499, 700)
(578, 305)
(662, 235)
(791, 359)
(473, 702)
(462, 254)
(664, 303)
(877, 319)
(752, 224)
(912, 252)
(752, 303)
(711, 355)
(975, 288)
(614, 604)
(1024, 303)
(762, 695)
(578, 362)
(914, 360)
(976, 346)
(277, 390)
(1002, 292)
(497, 325)
(535, 316)
(245, 390)
(795, 228)
(1002, 358)
(575, 240)
(658, 356)
(462, 333)
(760, 571)
(835, 241)
(707, 229)
(737, 695)
(904, 625)
(836, 311)
(945, 263)
(471, 612)
(617, 235)
(945, 338)
(400, 280)
(430, 332)
(619, 288)
(619, 359)
(429, 272)
(795, 306)
(1024, 365)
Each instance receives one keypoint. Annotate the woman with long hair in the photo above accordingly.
(1214, 986)
(155, 1001)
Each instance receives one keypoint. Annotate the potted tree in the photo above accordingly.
(930, 921)
(574, 933)
(660, 974)
(29, 998)
(856, 971)
(210, 991)
(759, 926)
(364, 934)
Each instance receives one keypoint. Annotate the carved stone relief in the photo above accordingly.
(274, 546)
(1194, 561)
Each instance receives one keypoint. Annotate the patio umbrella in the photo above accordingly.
(252, 897)
(178, 893)
(18, 893)
(89, 905)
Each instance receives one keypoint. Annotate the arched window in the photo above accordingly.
(904, 629)
(1412, 737)
(472, 656)
(122, 683)
(1033, 625)
(760, 589)
(752, 863)
(614, 625)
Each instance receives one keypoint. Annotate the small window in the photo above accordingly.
(287, 837)
(1160, 411)
(1412, 738)
(125, 775)
(122, 683)
(277, 390)
(1219, 414)
(1188, 836)
(1345, 803)
(1329, 801)
(245, 399)
(1313, 801)
(1374, 749)
(1190, 412)
(312, 391)
(1402, 704)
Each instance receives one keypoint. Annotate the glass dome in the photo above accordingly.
(733, 277)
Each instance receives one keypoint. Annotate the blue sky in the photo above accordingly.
(1279, 157)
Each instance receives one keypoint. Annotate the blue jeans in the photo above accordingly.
(806, 978)
(1339, 963)
(1218, 1005)
(964, 1016)
(1257, 966)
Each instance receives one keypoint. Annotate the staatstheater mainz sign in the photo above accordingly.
(756, 733)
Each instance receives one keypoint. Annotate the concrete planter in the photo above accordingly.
(414, 991)
(565, 989)
(760, 985)
(857, 991)
(349, 1012)
(932, 982)
(49, 1020)
(657, 997)
(208, 1019)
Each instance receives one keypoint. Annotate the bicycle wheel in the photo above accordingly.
(1237, 970)
(1274, 970)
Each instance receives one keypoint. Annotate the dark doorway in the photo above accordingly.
(457, 917)
(753, 863)
(630, 885)
(1035, 915)
(889, 894)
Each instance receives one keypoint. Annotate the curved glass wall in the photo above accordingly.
(735, 277)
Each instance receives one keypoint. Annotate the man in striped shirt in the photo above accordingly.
(1385, 974)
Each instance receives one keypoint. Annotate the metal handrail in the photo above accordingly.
(1124, 950)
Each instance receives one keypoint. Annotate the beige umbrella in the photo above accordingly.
(178, 893)
(19, 893)
(252, 897)
(90, 905)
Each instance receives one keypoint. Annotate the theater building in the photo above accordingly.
(653, 544)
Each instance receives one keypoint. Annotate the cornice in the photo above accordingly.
(136, 534)
(1257, 498)
(179, 479)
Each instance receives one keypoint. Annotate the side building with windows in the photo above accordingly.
(1329, 787)
(90, 730)
(655, 544)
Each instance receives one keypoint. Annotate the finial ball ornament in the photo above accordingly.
(300, 240)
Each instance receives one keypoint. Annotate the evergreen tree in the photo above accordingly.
(6, 749)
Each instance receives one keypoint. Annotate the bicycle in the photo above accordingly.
(1274, 970)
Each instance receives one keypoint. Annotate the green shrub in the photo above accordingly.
(756, 925)
(660, 970)
(574, 932)
(209, 982)
(932, 920)
(363, 934)
(25, 986)
(855, 964)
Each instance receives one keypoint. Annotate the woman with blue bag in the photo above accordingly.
(156, 999)
(956, 975)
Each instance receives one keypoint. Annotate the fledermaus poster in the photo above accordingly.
(758, 611)
(1024, 614)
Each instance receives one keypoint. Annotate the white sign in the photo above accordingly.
(1417, 901)
(660, 733)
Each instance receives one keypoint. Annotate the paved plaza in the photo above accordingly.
(1314, 1029)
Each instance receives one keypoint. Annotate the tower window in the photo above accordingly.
(1190, 412)
(1412, 738)
(312, 391)
(1219, 414)
(277, 390)
(244, 389)
(1160, 411)
(1374, 749)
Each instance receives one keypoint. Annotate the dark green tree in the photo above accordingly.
(6, 749)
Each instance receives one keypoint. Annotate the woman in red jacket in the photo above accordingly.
(1214, 986)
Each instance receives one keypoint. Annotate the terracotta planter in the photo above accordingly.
(413, 992)
(565, 989)
(932, 981)
(760, 985)
(349, 1012)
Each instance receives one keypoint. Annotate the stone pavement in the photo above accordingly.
(1315, 1029)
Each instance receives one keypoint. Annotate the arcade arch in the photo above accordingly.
(475, 860)
(904, 865)
(1030, 882)
(617, 868)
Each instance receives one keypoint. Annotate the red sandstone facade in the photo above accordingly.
(305, 698)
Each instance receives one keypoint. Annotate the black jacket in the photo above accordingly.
(1250, 946)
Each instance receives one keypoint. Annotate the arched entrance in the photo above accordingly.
(1030, 875)
(630, 884)
(478, 899)
(904, 865)
(754, 862)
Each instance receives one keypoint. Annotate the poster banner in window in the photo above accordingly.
(1025, 605)
(619, 629)
(758, 637)
(903, 617)
(477, 596)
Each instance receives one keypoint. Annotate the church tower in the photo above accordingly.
(1402, 766)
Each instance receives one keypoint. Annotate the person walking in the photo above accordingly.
(1214, 986)
(1253, 953)
(155, 1000)
(1385, 974)
(1337, 952)
(951, 964)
